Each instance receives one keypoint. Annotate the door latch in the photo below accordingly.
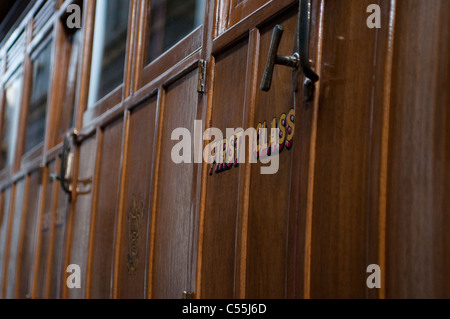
(65, 173)
(299, 59)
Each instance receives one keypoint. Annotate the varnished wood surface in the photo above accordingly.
(80, 218)
(139, 171)
(417, 187)
(365, 182)
(172, 217)
(45, 232)
(29, 237)
(339, 212)
(104, 217)
(222, 194)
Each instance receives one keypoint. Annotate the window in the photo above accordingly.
(69, 74)
(13, 93)
(37, 111)
(109, 48)
(171, 21)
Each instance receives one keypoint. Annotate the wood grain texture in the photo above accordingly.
(45, 232)
(417, 191)
(80, 219)
(339, 211)
(222, 190)
(4, 222)
(30, 230)
(138, 191)
(365, 182)
(172, 228)
(106, 204)
(56, 277)
(14, 238)
(268, 222)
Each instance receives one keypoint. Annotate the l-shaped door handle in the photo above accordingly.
(299, 59)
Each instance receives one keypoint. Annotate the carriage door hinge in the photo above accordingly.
(201, 76)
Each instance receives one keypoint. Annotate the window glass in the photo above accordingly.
(109, 47)
(37, 111)
(10, 121)
(171, 21)
(71, 75)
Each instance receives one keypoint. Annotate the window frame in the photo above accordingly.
(116, 96)
(35, 48)
(17, 73)
(182, 50)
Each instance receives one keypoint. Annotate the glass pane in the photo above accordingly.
(37, 111)
(171, 21)
(13, 93)
(109, 47)
(68, 107)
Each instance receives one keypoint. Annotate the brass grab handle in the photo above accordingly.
(299, 60)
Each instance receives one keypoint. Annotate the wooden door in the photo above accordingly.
(131, 230)
(312, 230)
(363, 158)
(248, 215)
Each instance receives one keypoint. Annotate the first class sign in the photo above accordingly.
(264, 143)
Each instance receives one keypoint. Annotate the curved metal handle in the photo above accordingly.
(299, 60)
(63, 169)
(304, 21)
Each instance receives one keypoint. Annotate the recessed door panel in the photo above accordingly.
(223, 191)
(80, 219)
(45, 236)
(104, 221)
(137, 207)
(340, 214)
(175, 195)
(57, 273)
(4, 224)
(268, 216)
(29, 236)
(14, 240)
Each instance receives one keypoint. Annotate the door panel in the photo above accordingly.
(80, 218)
(29, 236)
(137, 208)
(4, 225)
(59, 224)
(45, 236)
(175, 190)
(268, 220)
(14, 233)
(340, 208)
(104, 220)
(365, 180)
(417, 212)
(223, 192)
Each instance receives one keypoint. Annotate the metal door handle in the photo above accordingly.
(299, 60)
(64, 165)
(273, 58)
(304, 21)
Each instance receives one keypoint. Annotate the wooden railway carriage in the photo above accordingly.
(87, 177)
